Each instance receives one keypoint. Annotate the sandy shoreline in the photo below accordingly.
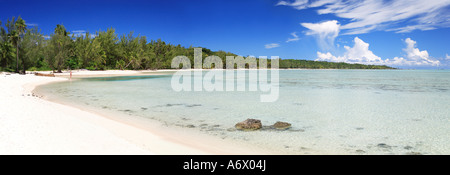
(31, 125)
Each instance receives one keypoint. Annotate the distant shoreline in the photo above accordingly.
(115, 72)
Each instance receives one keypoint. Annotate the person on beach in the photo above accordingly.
(70, 72)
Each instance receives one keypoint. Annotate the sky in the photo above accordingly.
(398, 33)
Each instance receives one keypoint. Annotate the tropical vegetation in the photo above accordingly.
(24, 48)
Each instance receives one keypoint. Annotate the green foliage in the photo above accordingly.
(72, 63)
(120, 64)
(16, 29)
(89, 52)
(108, 44)
(7, 50)
(59, 48)
(308, 64)
(31, 49)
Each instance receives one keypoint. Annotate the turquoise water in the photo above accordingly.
(331, 111)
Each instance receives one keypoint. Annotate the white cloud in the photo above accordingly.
(304, 4)
(401, 16)
(408, 28)
(31, 24)
(297, 4)
(296, 38)
(361, 54)
(321, 3)
(329, 57)
(447, 57)
(79, 33)
(414, 56)
(413, 52)
(271, 45)
(325, 32)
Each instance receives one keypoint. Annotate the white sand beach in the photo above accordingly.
(32, 125)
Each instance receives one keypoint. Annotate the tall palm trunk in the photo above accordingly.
(17, 58)
(24, 66)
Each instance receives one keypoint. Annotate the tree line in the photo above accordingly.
(308, 64)
(24, 48)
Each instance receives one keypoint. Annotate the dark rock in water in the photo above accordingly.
(408, 147)
(126, 110)
(190, 126)
(281, 125)
(170, 105)
(414, 153)
(383, 145)
(193, 105)
(249, 124)
(144, 108)
(296, 130)
(360, 151)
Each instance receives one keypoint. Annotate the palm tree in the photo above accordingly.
(14, 38)
(6, 53)
(16, 29)
(61, 43)
(20, 30)
(61, 30)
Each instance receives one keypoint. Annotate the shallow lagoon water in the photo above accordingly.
(331, 111)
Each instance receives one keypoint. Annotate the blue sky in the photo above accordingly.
(400, 33)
